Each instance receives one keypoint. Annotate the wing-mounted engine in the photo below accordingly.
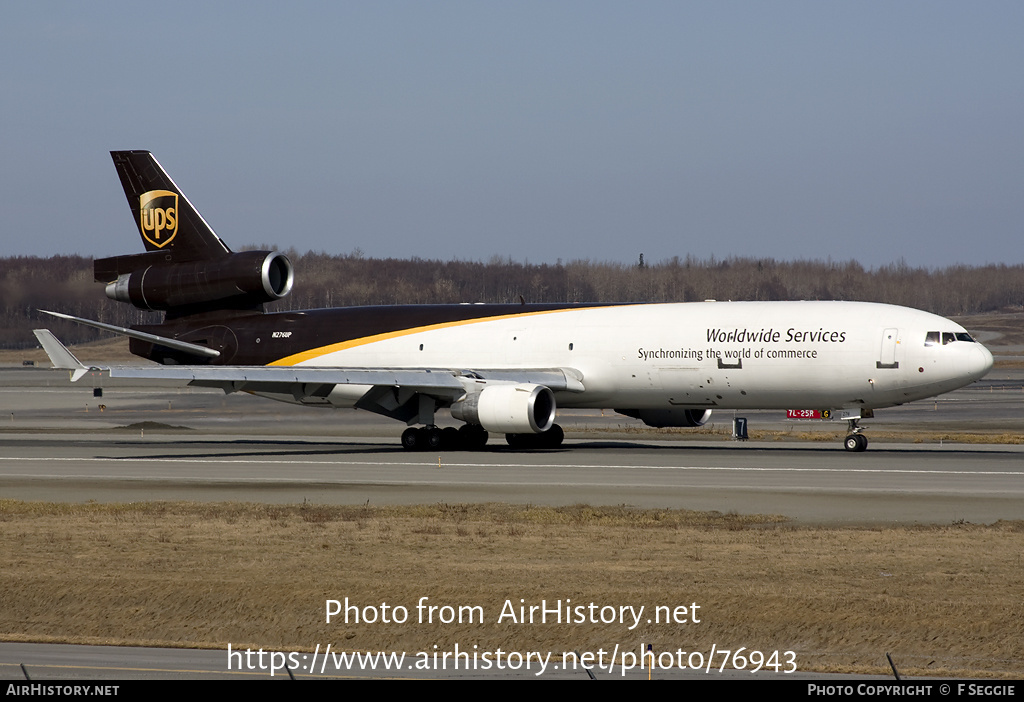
(152, 281)
(661, 418)
(509, 408)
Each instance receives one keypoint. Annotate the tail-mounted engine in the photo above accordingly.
(153, 281)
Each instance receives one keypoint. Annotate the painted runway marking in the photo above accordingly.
(433, 467)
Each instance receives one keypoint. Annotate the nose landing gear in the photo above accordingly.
(855, 440)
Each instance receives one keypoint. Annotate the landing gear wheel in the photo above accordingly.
(412, 439)
(450, 439)
(856, 443)
(516, 441)
(552, 438)
(423, 439)
(472, 437)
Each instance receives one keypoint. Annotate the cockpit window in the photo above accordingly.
(933, 337)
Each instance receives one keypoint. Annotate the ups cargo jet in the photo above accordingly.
(503, 368)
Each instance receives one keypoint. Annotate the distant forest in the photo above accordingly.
(64, 284)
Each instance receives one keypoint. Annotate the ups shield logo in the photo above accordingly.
(158, 217)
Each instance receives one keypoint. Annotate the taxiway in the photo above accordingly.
(179, 444)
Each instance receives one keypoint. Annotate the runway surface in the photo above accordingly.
(895, 483)
(58, 446)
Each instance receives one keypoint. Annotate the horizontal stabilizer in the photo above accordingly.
(142, 336)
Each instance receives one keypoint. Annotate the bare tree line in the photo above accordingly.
(64, 284)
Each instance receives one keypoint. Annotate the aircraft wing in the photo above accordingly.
(445, 384)
(443, 380)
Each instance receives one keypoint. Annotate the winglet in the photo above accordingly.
(59, 355)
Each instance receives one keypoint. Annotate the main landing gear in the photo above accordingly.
(468, 437)
(855, 440)
(552, 438)
(473, 437)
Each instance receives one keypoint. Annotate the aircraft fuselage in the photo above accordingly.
(714, 355)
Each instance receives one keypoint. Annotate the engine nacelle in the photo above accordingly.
(509, 409)
(241, 279)
(661, 418)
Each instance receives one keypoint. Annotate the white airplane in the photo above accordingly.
(504, 368)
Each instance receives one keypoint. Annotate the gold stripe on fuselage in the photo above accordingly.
(311, 354)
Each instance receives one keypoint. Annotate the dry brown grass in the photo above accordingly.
(1009, 365)
(943, 600)
(111, 350)
(914, 435)
(1009, 325)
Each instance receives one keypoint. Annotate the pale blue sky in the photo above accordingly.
(536, 130)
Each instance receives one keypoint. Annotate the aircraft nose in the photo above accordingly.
(982, 362)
